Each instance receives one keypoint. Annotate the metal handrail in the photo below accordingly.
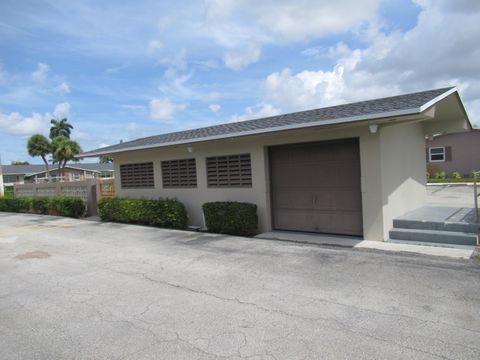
(475, 193)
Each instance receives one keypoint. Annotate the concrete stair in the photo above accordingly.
(437, 233)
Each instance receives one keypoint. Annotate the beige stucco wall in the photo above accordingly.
(403, 174)
(375, 181)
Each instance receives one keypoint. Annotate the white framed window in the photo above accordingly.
(436, 154)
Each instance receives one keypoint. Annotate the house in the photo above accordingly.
(20, 174)
(454, 152)
(347, 169)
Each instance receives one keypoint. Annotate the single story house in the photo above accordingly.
(20, 174)
(347, 169)
(454, 152)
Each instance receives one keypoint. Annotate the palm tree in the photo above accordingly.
(60, 128)
(64, 150)
(38, 145)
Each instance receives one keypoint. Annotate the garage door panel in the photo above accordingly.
(316, 187)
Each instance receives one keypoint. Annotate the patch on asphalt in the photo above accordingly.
(33, 255)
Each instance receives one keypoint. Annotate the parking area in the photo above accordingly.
(81, 289)
(450, 195)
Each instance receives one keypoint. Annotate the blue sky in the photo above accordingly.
(123, 70)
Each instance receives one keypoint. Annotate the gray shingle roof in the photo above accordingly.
(36, 168)
(400, 105)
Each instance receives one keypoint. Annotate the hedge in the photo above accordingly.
(12, 204)
(58, 205)
(166, 213)
(233, 218)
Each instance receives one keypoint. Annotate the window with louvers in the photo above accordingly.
(229, 171)
(179, 173)
(137, 176)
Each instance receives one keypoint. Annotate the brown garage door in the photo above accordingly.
(316, 187)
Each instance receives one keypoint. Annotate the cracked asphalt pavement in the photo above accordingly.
(77, 289)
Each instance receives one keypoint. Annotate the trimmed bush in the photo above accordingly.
(70, 206)
(58, 205)
(234, 218)
(40, 205)
(166, 213)
(11, 204)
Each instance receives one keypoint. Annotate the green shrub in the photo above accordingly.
(70, 206)
(428, 175)
(8, 190)
(166, 213)
(12, 204)
(440, 175)
(58, 205)
(40, 205)
(456, 175)
(234, 218)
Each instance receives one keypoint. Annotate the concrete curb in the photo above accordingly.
(356, 243)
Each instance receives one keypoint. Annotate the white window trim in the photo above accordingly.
(430, 153)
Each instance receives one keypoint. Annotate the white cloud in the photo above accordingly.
(307, 89)
(211, 96)
(428, 56)
(63, 88)
(239, 58)
(164, 109)
(153, 46)
(236, 24)
(256, 112)
(62, 110)
(40, 74)
(132, 126)
(214, 107)
(16, 124)
(175, 64)
(134, 107)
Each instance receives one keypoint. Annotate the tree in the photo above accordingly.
(19, 162)
(105, 160)
(60, 128)
(64, 150)
(38, 145)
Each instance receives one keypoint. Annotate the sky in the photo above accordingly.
(120, 70)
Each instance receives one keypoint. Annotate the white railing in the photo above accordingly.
(41, 180)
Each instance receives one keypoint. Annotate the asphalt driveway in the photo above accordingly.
(76, 289)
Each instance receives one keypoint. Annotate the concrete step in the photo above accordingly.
(438, 245)
(437, 225)
(434, 236)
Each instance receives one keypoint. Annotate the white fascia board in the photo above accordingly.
(350, 119)
(437, 99)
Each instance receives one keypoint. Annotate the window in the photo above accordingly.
(229, 171)
(179, 173)
(135, 176)
(9, 178)
(436, 154)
